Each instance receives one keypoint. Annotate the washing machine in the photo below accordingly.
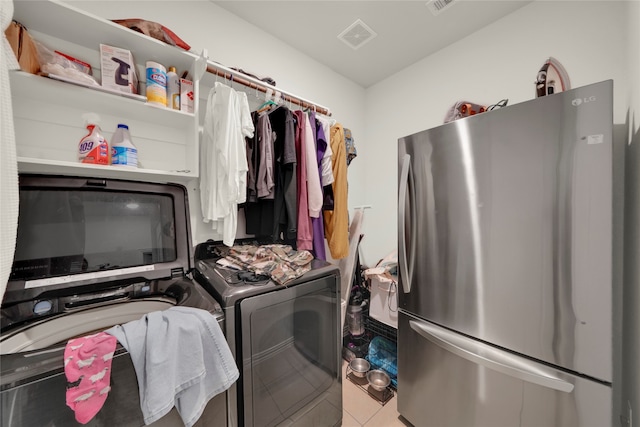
(286, 341)
(91, 254)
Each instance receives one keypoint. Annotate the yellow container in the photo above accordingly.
(156, 84)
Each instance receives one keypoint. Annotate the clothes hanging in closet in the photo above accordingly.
(336, 222)
(304, 237)
(307, 159)
(277, 218)
(318, 223)
(352, 153)
(327, 165)
(223, 159)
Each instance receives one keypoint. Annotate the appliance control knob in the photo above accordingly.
(42, 307)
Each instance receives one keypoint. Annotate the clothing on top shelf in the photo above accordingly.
(223, 159)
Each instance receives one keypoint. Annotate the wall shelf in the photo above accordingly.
(46, 166)
(48, 112)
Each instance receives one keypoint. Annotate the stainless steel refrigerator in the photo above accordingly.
(505, 262)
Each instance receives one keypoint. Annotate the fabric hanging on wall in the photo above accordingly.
(223, 159)
(9, 193)
(336, 222)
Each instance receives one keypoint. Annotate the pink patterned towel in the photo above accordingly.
(87, 365)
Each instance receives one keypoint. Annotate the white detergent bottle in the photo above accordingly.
(93, 148)
(123, 152)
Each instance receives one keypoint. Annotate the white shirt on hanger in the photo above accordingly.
(314, 188)
(327, 167)
(223, 159)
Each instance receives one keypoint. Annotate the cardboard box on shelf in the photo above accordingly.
(118, 69)
(186, 95)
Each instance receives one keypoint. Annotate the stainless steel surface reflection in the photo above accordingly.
(438, 388)
(505, 265)
(512, 230)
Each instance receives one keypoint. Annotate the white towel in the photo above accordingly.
(8, 161)
(181, 358)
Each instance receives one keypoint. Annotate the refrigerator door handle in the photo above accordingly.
(402, 244)
(492, 358)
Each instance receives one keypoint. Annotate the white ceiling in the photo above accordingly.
(407, 30)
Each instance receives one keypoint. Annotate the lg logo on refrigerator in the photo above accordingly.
(579, 101)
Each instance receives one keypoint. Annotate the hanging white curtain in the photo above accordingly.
(8, 160)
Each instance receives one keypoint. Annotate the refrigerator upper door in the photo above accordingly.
(506, 231)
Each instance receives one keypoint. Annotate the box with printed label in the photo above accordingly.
(186, 95)
(118, 69)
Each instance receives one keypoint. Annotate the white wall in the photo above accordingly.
(233, 42)
(499, 61)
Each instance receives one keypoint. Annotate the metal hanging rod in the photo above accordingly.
(243, 79)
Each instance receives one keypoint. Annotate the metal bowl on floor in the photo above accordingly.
(378, 379)
(359, 367)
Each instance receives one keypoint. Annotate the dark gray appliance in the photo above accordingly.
(286, 342)
(505, 260)
(90, 254)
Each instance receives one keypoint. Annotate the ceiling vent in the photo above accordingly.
(357, 35)
(437, 6)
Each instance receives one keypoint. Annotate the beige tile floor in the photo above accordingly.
(359, 409)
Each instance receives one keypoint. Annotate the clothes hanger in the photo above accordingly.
(266, 106)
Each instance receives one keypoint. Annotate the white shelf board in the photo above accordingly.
(84, 29)
(96, 99)
(45, 166)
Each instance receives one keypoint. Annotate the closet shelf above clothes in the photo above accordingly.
(252, 83)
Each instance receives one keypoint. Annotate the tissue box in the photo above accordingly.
(186, 95)
(118, 69)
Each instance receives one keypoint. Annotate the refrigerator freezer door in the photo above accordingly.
(508, 228)
(438, 385)
(491, 357)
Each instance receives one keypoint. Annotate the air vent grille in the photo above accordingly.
(357, 35)
(437, 6)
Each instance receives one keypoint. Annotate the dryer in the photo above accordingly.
(90, 254)
(286, 341)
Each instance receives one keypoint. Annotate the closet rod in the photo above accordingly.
(252, 83)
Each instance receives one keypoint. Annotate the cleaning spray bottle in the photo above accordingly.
(93, 148)
(123, 152)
